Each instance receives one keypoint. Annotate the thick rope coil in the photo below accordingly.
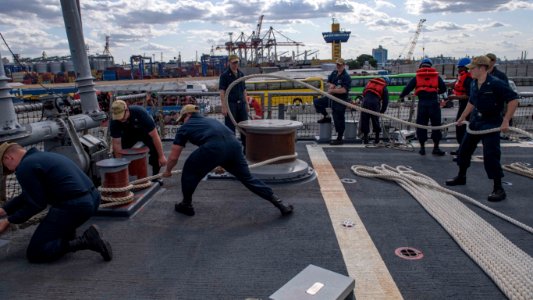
(508, 266)
(359, 108)
(519, 168)
(134, 185)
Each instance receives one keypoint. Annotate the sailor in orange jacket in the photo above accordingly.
(376, 98)
(461, 92)
(427, 85)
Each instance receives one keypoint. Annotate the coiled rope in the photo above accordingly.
(134, 185)
(359, 108)
(506, 264)
(519, 168)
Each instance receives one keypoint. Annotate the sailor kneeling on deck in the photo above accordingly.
(217, 146)
(51, 179)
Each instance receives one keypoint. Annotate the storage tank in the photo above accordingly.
(68, 66)
(55, 67)
(40, 67)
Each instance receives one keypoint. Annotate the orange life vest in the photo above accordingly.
(427, 79)
(375, 86)
(459, 88)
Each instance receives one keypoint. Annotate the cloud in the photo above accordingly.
(444, 25)
(384, 4)
(155, 47)
(418, 7)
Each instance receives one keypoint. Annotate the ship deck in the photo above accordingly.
(237, 246)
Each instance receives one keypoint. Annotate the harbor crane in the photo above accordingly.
(412, 43)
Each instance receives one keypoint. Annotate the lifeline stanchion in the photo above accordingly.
(138, 166)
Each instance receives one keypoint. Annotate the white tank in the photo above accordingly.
(40, 67)
(68, 66)
(55, 67)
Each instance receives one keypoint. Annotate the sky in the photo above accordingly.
(165, 28)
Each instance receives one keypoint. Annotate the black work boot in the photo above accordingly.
(438, 152)
(336, 142)
(283, 208)
(457, 180)
(376, 138)
(324, 119)
(91, 239)
(365, 139)
(184, 208)
(422, 151)
(497, 195)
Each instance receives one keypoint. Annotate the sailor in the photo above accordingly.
(217, 146)
(338, 85)
(461, 92)
(427, 85)
(375, 98)
(485, 106)
(493, 71)
(48, 178)
(237, 96)
(131, 124)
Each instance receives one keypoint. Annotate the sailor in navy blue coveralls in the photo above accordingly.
(339, 83)
(136, 125)
(486, 104)
(52, 179)
(237, 96)
(217, 146)
(428, 110)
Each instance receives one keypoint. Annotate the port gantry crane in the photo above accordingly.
(257, 45)
(413, 42)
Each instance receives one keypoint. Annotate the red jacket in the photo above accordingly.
(427, 79)
(376, 86)
(459, 88)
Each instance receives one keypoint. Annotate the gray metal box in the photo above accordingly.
(314, 283)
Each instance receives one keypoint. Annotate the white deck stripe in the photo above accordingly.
(362, 259)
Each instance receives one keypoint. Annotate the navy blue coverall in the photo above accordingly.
(137, 129)
(217, 146)
(499, 74)
(236, 102)
(48, 178)
(373, 102)
(338, 110)
(488, 101)
(428, 109)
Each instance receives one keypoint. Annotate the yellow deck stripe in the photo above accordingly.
(362, 259)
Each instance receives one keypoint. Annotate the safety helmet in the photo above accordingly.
(427, 62)
(386, 79)
(463, 62)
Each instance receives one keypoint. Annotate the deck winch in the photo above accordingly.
(267, 140)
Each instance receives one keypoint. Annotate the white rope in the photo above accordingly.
(359, 108)
(519, 168)
(508, 266)
(134, 185)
